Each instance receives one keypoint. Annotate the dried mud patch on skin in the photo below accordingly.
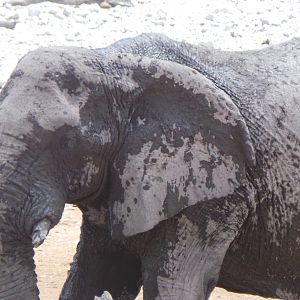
(55, 255)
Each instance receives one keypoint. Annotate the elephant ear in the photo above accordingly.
(186, 143)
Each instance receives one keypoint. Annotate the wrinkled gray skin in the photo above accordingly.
(184, 161)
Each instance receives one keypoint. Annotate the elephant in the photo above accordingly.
(183, 159)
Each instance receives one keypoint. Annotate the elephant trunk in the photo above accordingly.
(23, 225)
(31, 203)
(17, 277)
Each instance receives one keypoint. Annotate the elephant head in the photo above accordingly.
(152, 136)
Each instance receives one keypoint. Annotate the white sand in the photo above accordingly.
(225, 24)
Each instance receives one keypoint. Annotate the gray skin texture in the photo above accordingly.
(184, 161)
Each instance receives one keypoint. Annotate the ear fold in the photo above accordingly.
(187, 142)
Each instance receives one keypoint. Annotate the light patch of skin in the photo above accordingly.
(105, 136)
(211, 227)
(176, 126)
(89, 171)
(116, 109)
(141, 121)
(223, 117)
(7, 114)
(152, 180)
(286, 295)
(129, 85)
(85, 129)
(64, 112)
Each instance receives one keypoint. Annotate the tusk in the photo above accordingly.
(105, 296)
(40, 231)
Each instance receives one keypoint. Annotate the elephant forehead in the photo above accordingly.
(33, 93)
(49, 115)
(159, 183)
(54, 85)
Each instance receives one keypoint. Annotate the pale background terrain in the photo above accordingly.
(225, 24)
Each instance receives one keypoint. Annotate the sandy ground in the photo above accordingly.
(54, 256)
(225, 24)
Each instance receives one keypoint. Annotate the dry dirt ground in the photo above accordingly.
(54, 256)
